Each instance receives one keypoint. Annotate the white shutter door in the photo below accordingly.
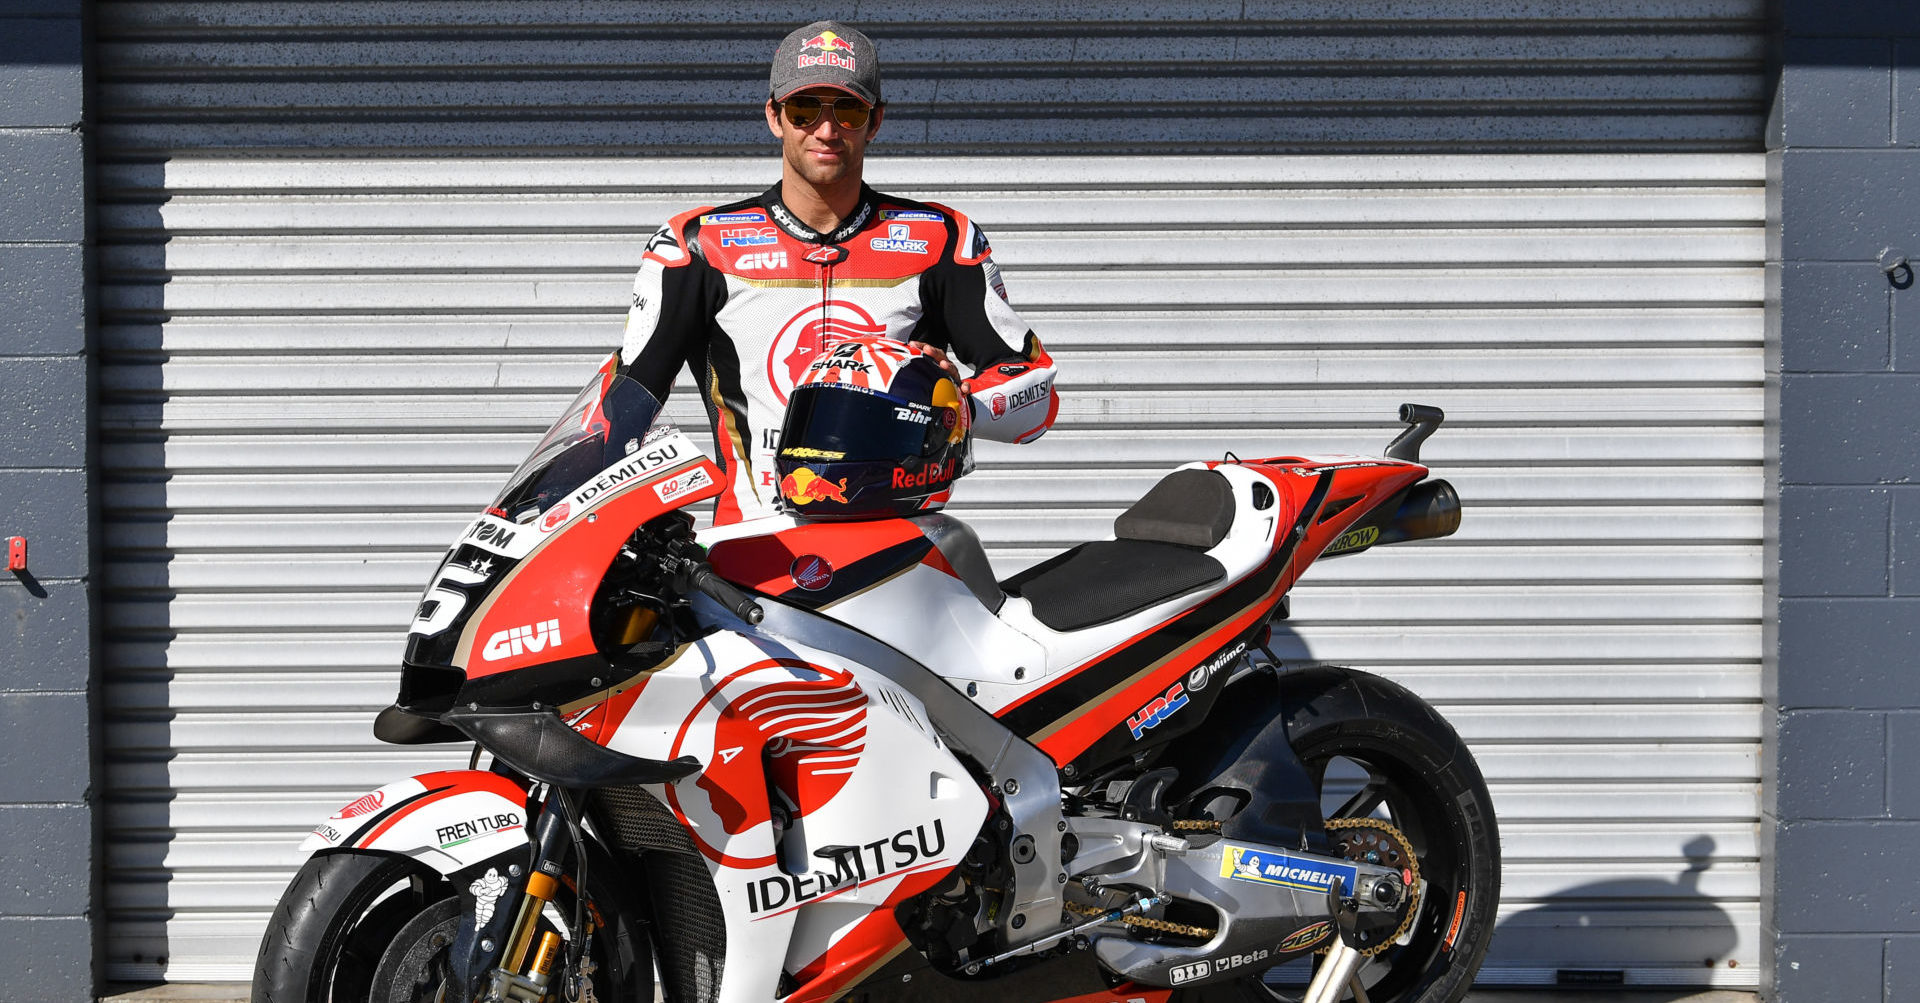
(326, 368)
(354, 256)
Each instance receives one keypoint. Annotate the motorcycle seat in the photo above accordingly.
(1159, 553)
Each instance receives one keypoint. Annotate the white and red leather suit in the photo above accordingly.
(745, 295)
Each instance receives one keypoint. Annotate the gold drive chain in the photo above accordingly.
(1412, 866)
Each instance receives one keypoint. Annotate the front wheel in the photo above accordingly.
(375, 928)
(1376, 751)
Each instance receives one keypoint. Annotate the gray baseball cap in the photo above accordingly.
(826, 54)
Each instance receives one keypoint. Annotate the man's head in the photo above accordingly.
(824, 101)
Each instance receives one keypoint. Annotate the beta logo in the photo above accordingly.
(1159, 710)
(516, 641)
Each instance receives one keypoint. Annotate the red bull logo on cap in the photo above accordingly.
(803, 487)
(835, 51)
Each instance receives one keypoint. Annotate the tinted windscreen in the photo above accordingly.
(608, 420)
(862, 426)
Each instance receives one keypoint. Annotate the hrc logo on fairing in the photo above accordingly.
(520, 640)
(751, 237)
(1159, 710)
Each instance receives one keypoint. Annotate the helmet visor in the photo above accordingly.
(834, 423)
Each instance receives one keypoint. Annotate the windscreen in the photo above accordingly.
(609, 419)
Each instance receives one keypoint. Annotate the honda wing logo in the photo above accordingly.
(520, 640)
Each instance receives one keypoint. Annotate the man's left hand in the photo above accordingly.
(938, 355)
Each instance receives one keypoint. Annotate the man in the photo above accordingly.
(746, 295)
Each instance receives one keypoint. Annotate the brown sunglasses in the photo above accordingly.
(803, 110)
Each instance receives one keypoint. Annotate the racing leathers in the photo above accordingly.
(746, 296)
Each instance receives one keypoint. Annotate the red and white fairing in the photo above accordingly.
(800, 751)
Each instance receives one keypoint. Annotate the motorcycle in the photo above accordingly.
(809, 761)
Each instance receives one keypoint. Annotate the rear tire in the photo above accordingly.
(1416, 773)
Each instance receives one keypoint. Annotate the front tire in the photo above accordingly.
(375, 928)
(334, 924)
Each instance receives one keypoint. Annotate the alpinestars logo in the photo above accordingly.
(517, 641)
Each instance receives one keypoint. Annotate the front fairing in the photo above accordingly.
(506, 619)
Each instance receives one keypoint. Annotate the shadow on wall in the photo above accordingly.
(144, 855)
(1659, 924)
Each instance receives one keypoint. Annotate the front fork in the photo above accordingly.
(496, 955)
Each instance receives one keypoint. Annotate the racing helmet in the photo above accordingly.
(875, 428)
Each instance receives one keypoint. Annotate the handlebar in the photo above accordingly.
(734, 601)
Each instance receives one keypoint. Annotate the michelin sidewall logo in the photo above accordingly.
(1271, 867)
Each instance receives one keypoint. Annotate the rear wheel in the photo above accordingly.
(376, 928)
(1377, 751)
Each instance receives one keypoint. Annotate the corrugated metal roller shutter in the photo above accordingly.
(315, 368)
(307, 393)
(980, 77)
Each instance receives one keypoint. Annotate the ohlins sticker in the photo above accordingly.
(1271, 867)
(633, 467)
(485, 825)
(517, 641)
(854, 866)
(1162, 707)
(1354, 539)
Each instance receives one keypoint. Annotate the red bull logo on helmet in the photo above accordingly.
(803, 487)
(939, 473)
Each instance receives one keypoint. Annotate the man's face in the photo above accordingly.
(824, 152)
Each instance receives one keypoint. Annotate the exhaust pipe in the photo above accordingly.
(1430, 510)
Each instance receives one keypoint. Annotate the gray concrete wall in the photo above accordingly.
(1843, 785)
(48, 868)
